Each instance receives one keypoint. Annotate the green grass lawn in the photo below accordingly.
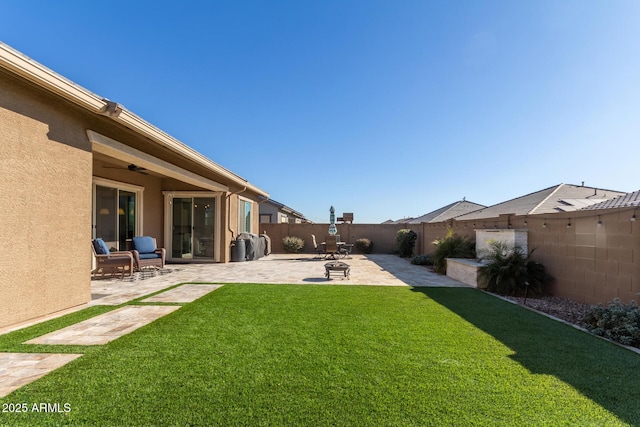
(339, 355)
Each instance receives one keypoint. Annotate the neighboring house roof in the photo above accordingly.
(284, 208)
(398, 221)
(38, 74)
(452, 210)
(559, 198)
(624, 201)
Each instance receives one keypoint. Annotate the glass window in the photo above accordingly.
(126, 218)
(106, 214)
(265, 218)
(115, 212)
(115, 216)
(244, 216)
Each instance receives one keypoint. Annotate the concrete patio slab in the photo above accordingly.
(184, 293)
(20, 369)
(105, 327)
(302, 269)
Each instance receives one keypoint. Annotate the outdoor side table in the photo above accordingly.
(338, 266)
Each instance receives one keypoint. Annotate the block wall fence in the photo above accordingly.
(591, 263)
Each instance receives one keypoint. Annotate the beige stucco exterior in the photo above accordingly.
(57, 140)
(43, 217)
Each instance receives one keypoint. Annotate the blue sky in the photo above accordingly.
(387, 109)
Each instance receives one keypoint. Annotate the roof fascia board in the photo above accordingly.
(42, 76)
(140, 126)
(110, 147)
(36, 73)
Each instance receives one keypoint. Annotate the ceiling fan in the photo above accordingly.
(131, 167)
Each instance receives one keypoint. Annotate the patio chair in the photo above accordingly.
(110, 262)
(331, 246)
(146, 253)
(345, 250)
(319, 249)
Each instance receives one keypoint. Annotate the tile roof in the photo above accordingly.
(559, 198)
(624, 201)
(398, 221)
(452, 210)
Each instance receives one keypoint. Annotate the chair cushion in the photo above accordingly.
(100, 247)
(152, 255)
(144, 244)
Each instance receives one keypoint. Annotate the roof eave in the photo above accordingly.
(22, 65)
(143, 127)
(25, 67)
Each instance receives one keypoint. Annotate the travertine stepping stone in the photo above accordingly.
(184, 293)
(20, 369)
(106, 327)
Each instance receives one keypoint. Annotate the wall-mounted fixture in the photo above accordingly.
(599, 223)
(569, 223)
(111, 109)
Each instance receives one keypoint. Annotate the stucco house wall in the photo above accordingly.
(45, 227)
(272, 211)
(57, 144)
(275, 215)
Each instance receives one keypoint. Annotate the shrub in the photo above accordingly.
(406, 240)
(364, 246)
(422, 260)
(617, 321)
(452, 246)
(508, 271)
(293, 244)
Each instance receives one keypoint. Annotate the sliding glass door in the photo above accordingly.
(203, 227)
(193, 227)
(182, 229)
(126, 217)
(115, 214)
(106, 215)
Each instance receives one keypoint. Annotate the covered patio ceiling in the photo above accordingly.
(111, 154)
